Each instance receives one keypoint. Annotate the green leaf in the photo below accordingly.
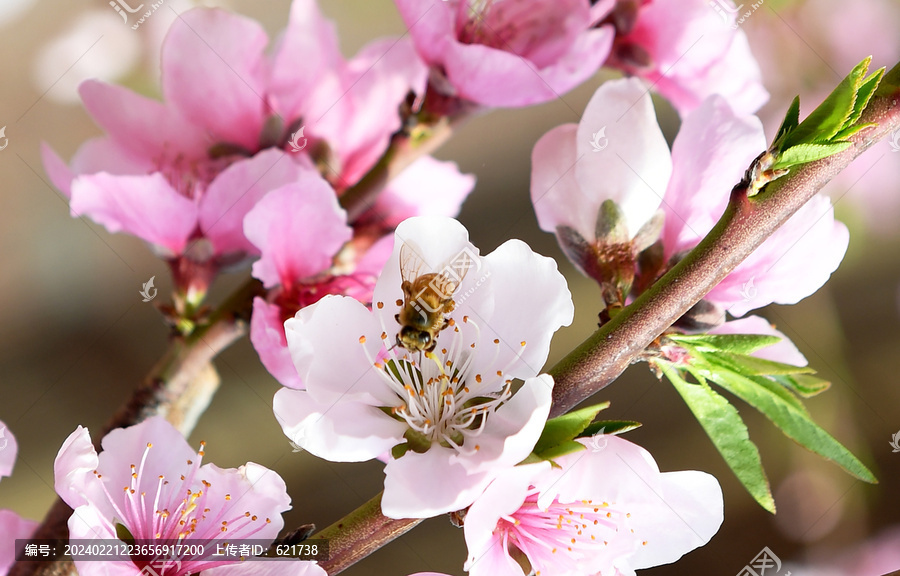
(805, 385)
(831, 116)
(727, 431)
(735, 343)
(791, 120)
(124, 534)
(562, 429)
(803, 153)
(610, 427)
(849, 131)
(558, 450)
(753, 366)
(796, 424)
(863, 94)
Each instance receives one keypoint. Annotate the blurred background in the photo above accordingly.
(75, 337)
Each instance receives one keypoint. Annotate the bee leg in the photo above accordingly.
(445, 324)
(397, 318)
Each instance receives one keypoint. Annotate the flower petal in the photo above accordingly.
(145, 127)
(334, 343)
(713, 148)
(523, 320)
(696, 54)
(12, 527)
(633, 169)
(256, 490)
(226, 50)
(514, 428)
(339, 431)
(307, 56)
(73, 469)
(427, 187)
(144, 206)
(791, 264)
(125, 446)
(236, 191)
(502, 498)
(298, 229)
(8, 450)
(358, 115)
(555, 193)
(425, 485)
(267, 337)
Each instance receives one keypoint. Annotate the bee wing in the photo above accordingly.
(452, 273)
(411, 263)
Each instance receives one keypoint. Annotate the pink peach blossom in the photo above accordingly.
(504, 53)
(181, 174)
(687, 51)
(602, 511)
(148, 479)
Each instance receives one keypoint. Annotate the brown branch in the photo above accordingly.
(746, 224)
(360, 533)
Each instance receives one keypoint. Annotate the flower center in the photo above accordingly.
(440, 397)
(177, 510)
(563, 534)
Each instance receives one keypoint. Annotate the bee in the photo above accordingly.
(427, 299)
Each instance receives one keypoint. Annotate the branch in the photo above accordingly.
(360, 533)
(746, 224)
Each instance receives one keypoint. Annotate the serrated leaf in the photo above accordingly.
(610, 427)
(803, 153)
(124, 534)
(796, 424)
(753, 366)
(831, 116)
(558, 450)
(863, 94)
(564, 428)
(728, 433)
(852, 129)
(805, 385)
(791, 120)
(734, 343)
